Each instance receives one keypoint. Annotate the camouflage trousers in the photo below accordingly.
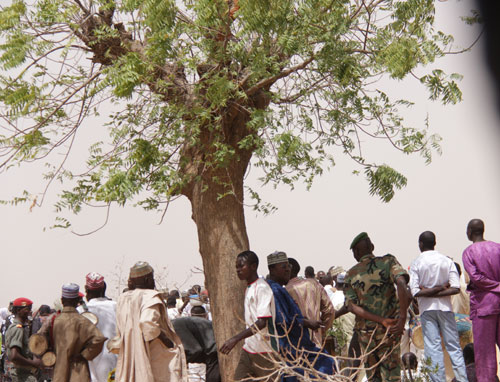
(381, 356)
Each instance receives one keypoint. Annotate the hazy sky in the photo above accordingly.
(315, 227)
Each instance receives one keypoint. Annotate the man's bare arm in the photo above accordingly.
(19, 359)
(431, 292)
(404, 302)
(231, 343)
(448, 292)
(341, 311)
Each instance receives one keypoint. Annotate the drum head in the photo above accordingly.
(38, 344)
(49, 359)
(417, 337)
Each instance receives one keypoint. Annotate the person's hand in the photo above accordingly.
(388, 322)
(228, 345)
(37, 362)
(398, 328)
(312, 324)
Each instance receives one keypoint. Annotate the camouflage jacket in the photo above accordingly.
(370, 285)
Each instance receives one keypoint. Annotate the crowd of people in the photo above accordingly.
(354, 323)
(141, 337)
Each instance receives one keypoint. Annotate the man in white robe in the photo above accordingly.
(149, 349)
(105, 311)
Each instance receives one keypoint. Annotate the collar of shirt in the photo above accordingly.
(366, 257)
(101, 299)
(69, 309)
(429, 252)
(253, 282)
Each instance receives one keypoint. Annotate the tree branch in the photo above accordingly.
(82, 86)
(271, 80)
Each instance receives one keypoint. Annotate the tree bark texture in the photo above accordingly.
(222, 235)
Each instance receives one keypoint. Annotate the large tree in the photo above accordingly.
(200, 89)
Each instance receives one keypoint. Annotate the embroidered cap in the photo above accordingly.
(140, 269)
(276, 257)
(70, 290)
(94, 280)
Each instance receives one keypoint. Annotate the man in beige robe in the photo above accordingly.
(313, 302)
(76, 340)
(149, 349)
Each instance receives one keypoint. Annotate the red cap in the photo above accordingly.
(22, 301)
(80, 294)
(94, 280)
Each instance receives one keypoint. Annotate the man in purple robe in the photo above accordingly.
(482, 263)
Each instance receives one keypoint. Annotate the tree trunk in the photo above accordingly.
(220, 221)
(222, 235)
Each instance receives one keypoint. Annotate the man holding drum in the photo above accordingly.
(25, 367)
(433, 279)
(76, 339)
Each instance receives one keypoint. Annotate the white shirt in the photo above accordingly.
(330, 291)
(431, 269)
(338, 299)
(187, 310)
(105, 310)
(173, 313)
(259, 303)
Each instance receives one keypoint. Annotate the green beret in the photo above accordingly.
(357, 239)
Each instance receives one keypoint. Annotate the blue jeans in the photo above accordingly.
(437, 324)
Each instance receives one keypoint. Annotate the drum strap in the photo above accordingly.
(412, 313)
(51, 330)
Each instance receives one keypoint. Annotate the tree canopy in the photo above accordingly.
(196, 85)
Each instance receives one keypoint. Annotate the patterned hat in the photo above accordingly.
(94, 280)
(359, 238)
(22, 301)
(276, 257)
(140, 269)
(70, 290)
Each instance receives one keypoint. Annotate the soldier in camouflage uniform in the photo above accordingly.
(380, 317)
(25, 367)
